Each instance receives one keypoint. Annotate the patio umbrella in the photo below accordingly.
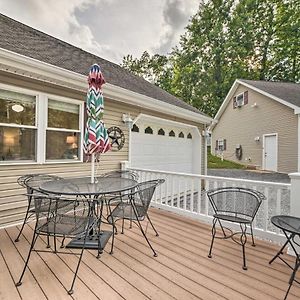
(96, 139)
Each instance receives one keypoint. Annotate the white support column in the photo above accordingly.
(125, 165)
(295, 202)
(295, 194)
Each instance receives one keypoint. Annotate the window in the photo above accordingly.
(34, 128)
(220, 145)
(161, 132)
(172, 133)
(189, 136)
(135, 128)
(18, 129)
(240, 99)
(149, 130)
(181, 135)
(63, 134)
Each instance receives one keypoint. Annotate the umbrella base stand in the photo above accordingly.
(92, 241)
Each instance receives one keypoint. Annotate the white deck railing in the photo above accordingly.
(186, 194)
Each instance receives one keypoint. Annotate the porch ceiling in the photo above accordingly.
(181, 270)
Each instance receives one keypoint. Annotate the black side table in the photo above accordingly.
(291, 229)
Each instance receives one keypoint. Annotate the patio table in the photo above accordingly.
(96, 192)
(291, 228)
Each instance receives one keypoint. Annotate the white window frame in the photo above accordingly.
(41, 122)
(79, 130)
(242, 101)
(220, 145)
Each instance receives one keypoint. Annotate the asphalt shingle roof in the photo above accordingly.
(290, 92)
(22, 39)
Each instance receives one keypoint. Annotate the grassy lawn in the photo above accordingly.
(214, 162)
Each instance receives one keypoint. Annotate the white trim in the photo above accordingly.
(150, 118)
(17, 125)
(263, 150)
(42, 120)
(62, 129)
(232, 91)
(29, 67)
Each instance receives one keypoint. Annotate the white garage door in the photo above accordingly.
(174, 151)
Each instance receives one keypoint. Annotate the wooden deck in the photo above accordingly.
(182, 269)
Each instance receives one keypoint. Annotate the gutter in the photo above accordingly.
(32, 68)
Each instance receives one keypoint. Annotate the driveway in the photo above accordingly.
(250, 174)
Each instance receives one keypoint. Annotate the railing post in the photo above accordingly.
(124, 165)
(295, 194)
(295, 202)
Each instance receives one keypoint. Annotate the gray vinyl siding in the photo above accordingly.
(13, 203)
(242, 125)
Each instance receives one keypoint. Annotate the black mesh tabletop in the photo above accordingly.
(83, 186)
(287, 223)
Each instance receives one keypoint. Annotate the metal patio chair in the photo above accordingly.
(234, 205)
(118, 174)
(135, 208)
(32, 182)
(64, 218)
(122, 173)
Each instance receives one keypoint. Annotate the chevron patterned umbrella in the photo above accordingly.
(96, 138)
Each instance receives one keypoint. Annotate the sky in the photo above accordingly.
(110, 29)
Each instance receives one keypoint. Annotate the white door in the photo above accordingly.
(270, 152)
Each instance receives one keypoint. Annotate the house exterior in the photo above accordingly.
(258, 125)
(43, 85)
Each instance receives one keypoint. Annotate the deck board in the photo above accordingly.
(182, 269)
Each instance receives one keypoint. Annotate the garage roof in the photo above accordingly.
(22, 39)
(287, 91)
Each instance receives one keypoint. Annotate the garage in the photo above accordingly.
(160, 144)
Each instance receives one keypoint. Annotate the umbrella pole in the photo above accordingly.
(93, 168)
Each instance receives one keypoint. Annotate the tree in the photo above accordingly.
(200, 64)
(226, 40)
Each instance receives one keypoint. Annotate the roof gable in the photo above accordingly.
(283, 92)
(24, 40)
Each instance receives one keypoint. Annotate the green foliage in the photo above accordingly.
(226, 40)
(214, 162)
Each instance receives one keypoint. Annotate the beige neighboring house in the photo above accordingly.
(43, 85)
(258, 124)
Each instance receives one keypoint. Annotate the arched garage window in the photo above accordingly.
(149, 130)
(171, 133)
(189, 136)
(135, 128)
(181, 135)
(161, 132)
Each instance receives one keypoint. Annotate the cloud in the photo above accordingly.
(108, 28)
(56, 18)
(176, 14)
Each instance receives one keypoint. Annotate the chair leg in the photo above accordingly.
(213, 233)
(114, 229)
(156, 233)
(24, 222)
(123, 220)
(71, 291)
(34, 238)
(62, 245)
(100, 250)
(243, 240)
(142, 230)
(251, 228)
